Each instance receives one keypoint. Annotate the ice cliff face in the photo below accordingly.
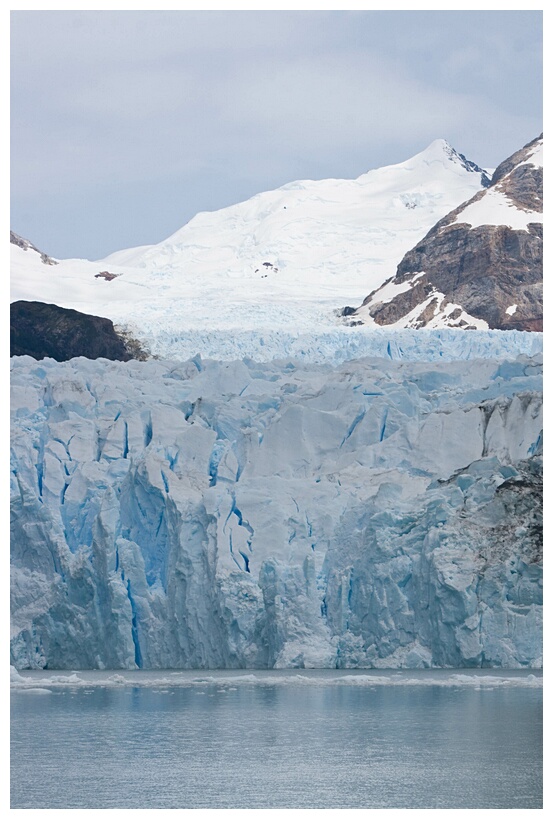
(208, 514)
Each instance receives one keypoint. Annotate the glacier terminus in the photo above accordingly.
(381, 512)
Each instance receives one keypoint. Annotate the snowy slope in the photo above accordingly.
(283, 260)
(220, 515)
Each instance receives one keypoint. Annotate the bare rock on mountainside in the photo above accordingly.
(25, 244)
(105, 274)
(48, 331)
(479, 267)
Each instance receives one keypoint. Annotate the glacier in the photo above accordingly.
(336, 344)
(380, 512)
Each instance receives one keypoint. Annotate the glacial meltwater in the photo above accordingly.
(277, 739)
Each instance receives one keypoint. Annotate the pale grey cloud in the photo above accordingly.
(125, 124)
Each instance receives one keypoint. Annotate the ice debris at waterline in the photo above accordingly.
(245, 515)
(225, 681)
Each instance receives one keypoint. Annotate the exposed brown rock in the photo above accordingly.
(524, 187)
(105, 274)
(485, 269)
(391, 311)
(515, 159)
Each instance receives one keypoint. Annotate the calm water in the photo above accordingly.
(318, 740)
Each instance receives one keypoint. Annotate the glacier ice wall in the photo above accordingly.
(335, 344)
(212, 514)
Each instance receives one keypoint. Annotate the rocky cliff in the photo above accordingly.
(479, 267)
(48, 331)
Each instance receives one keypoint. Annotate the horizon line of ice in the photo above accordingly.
(338, 345)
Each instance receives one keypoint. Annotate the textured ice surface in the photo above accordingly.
(339, 344)
(206, 514)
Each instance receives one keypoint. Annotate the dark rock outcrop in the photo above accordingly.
(48, 331)
(460, 272)
(105, 274)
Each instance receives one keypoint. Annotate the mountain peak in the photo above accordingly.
(440, 145)
(438, 149)
(441, 151)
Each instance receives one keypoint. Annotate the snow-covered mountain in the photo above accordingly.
(481, 266)
(284, 260)
(236, 514)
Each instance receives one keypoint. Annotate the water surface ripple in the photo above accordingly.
(276, 740)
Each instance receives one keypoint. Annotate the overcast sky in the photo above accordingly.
(126, 124)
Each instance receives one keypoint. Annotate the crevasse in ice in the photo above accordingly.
(211, 514)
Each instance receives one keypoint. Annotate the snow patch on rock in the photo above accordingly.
(496, 208)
